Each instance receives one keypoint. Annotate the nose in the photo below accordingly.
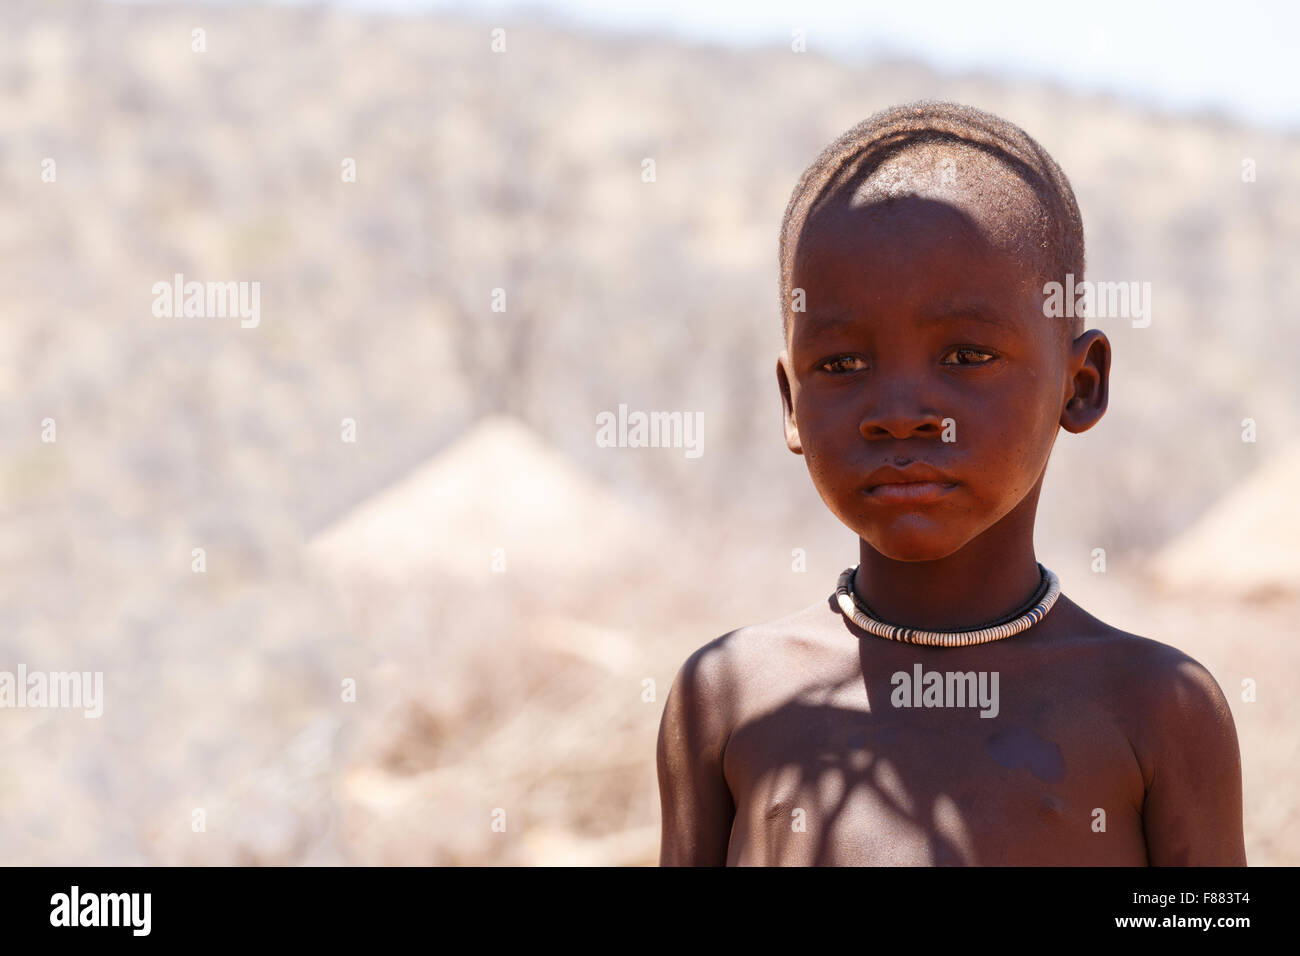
(897, 411)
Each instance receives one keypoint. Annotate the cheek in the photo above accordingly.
(819, 421)
(828, 436)
(828, 456)
(1015, 437)
(822, 461)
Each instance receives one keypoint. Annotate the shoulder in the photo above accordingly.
(716, 669)
(1183, 737)
(1179, 705)
(1169, 700)
(752, 644)
(1158, 676)
(717, 680)
(1141, 665)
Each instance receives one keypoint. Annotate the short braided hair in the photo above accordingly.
(936, 128)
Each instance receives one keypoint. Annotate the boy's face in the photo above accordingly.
(923, 321)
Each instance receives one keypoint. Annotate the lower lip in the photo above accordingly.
(910, 492)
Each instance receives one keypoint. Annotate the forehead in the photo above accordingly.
(1000, 204)
(911, 245)
(955, 214)
(929, 259)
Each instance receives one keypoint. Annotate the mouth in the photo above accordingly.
(909, 492)
(915, 483)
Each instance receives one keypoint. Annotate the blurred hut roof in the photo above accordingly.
(499, 493)
(1247, 545)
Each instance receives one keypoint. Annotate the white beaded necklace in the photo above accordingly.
(852, 607)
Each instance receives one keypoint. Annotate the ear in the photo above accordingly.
(783, 380)
(1089, 385)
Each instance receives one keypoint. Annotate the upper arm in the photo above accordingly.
(695, 800)
(1192, 812)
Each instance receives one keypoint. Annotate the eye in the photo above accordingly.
(840, 364)
(969, 356)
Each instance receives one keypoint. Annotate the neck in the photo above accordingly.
(993, 575)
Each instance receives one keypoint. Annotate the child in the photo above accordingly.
(948, 705)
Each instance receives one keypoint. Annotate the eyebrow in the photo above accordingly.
(832, 321)
(975, 311)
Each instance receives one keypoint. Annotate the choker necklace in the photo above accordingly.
(852, 606)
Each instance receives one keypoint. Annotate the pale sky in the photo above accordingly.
(1237, 55)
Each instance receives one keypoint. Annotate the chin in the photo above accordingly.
(912, 543)
(912, 549)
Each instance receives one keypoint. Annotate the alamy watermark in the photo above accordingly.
(75, 908)
(1098, 300)
(651, 430)
(71, 690)
(923, 688)
(208, 300)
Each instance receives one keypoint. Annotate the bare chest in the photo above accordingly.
(832, 777)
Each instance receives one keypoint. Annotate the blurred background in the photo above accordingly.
(458, 608)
